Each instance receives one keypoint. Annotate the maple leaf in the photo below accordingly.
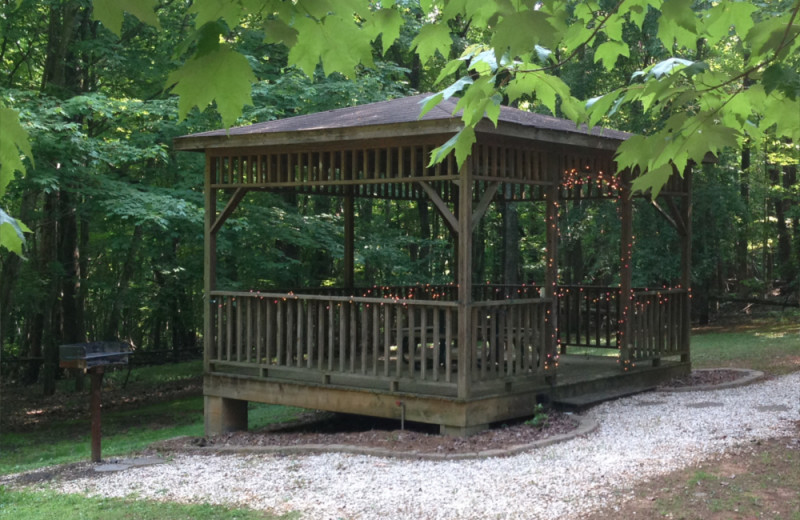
(11, 233)
(430, 39)
(222, 75)
(110, 12)
(13, 145)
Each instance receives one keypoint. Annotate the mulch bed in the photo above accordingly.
(341, 429)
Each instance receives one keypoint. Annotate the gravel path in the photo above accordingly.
(638, 438)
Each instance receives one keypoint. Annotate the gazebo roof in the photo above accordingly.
(398, 118)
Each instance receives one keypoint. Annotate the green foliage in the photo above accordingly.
(14, 146)
(540, 417)
(222, 75)
(12, 233)
(110, 12)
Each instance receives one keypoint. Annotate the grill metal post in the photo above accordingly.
(97, 382)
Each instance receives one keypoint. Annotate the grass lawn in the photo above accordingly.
(125, 430)
(770, 346)
(45, 505)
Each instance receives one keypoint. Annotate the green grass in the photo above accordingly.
(151, 374)
(46, 505)
(771, 347)
(124, 432)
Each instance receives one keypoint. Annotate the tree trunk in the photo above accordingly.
(784, 252)
(112, 328)
(784, 210)
(61, 30)
(42, 337)
(742, 271)
(70, 328)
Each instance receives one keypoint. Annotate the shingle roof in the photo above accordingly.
(401, 111)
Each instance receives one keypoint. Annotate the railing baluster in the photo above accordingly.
(280, 326)
(436, 344)
(301, 332)
(364, 315)
(249, 345)
(399, 341)
(342, 335)
(387, 340)
(331, 335)
(352, 310)
(375, 338)
(448, 344)
(423, 342)
(269, 328)
(412, 340)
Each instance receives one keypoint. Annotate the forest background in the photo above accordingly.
(106, 220)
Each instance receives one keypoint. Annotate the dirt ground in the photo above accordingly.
(757, 481)
(25, 409)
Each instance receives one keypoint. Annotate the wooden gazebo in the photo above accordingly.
(460, 355)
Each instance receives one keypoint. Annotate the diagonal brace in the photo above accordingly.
(483, 204)
(449, 218)
(232, 204)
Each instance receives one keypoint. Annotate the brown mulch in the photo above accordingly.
(324, 428)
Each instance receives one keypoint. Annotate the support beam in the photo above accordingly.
(449, 218)
(686, 265)
(464, 259)
(483, 204)
(209, 263)
(674, 222)
(232, 204)
(552, 203)
(224, 415)
(625, 269)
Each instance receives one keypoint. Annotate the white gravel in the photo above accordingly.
(638, 438)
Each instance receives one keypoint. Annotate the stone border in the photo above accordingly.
(748, 376)
(586, 425)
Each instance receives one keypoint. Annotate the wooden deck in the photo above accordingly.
(385, 357)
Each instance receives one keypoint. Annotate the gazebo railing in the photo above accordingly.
(382, 343)
(658, 322)
(438, 292)
(350, 341)
(589, 316)
(510, 339)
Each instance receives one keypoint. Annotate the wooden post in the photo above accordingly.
(96, 406)
(349, 239)
(686, 267)
(625, 269)
(464, 262)
(209, 263)
(552, 202)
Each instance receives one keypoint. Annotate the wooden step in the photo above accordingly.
(578, 403)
